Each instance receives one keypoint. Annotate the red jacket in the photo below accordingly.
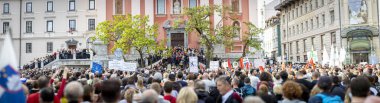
(170, 98)
(35, 97)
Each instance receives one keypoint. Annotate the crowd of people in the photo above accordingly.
(351, 84)
(39, 62)
(63, 54)
(69, 54)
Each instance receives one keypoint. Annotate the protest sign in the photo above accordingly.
(193, 64)
(128, 66)
(214, 65)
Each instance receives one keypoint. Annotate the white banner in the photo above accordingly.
(259, 62)
(214, 65)
(115, 64)
(235, 65)
(127, 66)
(193, 64)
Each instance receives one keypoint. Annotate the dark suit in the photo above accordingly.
(233, 98)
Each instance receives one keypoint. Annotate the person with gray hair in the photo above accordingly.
(74, 92)
(203, 95)
(253, 99)
(149, 96)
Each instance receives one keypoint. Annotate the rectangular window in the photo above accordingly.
(192, 3)
(332, 16)
(6, 8)
(301, 27)
(91, 5)
(311, 6)
(312, 42)
(29, 7)
(311, 24)
(304, 45)
(49, 6)
(298, 30)
(322, 2)
(316, 3)
(29, 26)
(297, 47)
(5, 27)
(301, 11)
(161, 6)
(91, 24)
(333, 38)
(306, 7)
(49, 47)
(317, 22)
(307, 25)
(72, 5)
(322, 36)
(290, 48)
(298, 58)
(49, 26)
(323, 19)
(283, 18)
(304, 58)
(72, 25)
(28, 48)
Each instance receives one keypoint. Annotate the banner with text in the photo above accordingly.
(214, 65)
(193, 64)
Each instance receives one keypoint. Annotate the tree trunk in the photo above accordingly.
(141, 59)
(209, 54)
(244, 50)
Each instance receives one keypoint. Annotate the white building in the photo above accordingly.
(270, 29)
(41, 27)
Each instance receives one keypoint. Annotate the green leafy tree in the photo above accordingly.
(127, 32)
(198, 21)
(251, 38)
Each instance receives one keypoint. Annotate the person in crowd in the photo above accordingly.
(248, 90)
(266, 77)
(226, 93)
(203, 95)
(157, 87)
(180, 79)
(47, 95)
(110, 91)
(187, 95)
(168, 87)
(284, 76)
(235, 87)
(253, 99)
(254, 78)
(149, 96)
(292, 92)
(325, 84)
(265, 94)
(74, 92)
(207, 81)
(315, 76)
(128, 96)
(337, 88)
(359, 89)
(305, 84)
(88, 93)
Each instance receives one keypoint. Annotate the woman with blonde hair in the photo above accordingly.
(187, 95)
(140, 86)
(128, 95)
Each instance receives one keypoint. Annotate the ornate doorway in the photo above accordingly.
(177, 39)
(71, 44)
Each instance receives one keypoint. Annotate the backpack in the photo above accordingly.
(329, 99)
(248, 90)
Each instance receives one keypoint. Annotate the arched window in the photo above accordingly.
(236, 24)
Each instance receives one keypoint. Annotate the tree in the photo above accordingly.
(251, 38)
(127, 32)
(198, 21)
